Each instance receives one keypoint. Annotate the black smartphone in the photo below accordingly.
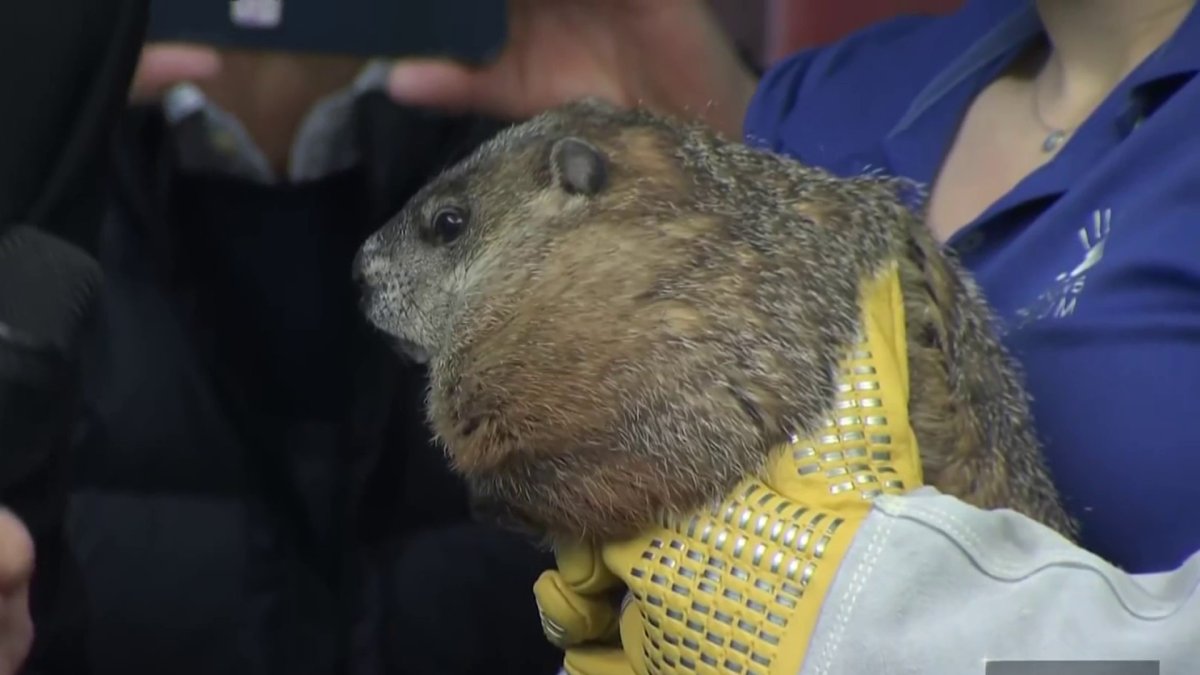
(471, 31)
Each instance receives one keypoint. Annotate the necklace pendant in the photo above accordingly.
(1054, 141)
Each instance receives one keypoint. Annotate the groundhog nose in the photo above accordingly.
(367, 255)
(358, 276)
(358, 268)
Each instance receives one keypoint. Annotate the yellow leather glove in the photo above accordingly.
(739, 588)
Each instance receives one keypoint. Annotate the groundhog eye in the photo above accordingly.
(448, 224)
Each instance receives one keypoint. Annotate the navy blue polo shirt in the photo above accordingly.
(1092, 262)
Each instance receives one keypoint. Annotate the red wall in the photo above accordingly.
(795, 24)
(745, 21)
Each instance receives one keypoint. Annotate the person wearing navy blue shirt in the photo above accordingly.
(1075, 207)
(1059, 142)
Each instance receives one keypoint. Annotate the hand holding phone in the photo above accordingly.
(470, 31)
(668, 55)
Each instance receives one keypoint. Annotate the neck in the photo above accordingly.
(271, 93)
(1094, 44)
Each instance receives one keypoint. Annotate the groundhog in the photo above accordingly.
(624, 314)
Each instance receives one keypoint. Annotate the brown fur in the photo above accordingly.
(609, 346)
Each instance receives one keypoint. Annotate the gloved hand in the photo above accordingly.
(739, 588)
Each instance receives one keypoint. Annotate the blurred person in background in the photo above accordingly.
(65, 66)
(254, 489)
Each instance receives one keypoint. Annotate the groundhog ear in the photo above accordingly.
(578, 167)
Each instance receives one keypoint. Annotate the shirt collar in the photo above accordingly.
(1174, 62)
(1014, 29)
(916, 145)
(1178, 56)
(208, 138)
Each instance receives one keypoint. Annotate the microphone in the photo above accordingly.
(46, 290)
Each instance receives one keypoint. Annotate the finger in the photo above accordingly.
(458, 88)
(569, 618)
(432, 83)
(164, 65)
(16, 554)
(597, 660)
(582, 568)
(631, 629)
(16, 571)
(16, 631)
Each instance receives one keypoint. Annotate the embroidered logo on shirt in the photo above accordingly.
(1061, 299)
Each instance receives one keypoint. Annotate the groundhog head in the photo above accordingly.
(609, 335)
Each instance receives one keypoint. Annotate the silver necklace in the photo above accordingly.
(1056, 136)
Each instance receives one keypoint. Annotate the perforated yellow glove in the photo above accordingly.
(738, 588)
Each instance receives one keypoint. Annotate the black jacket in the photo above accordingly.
(253, 486)
(65, 67)
(248, 493)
